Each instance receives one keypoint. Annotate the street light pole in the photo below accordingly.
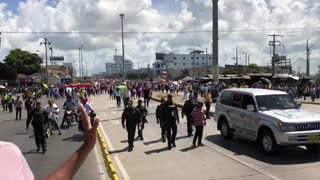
(46, 43)
(51, 49)
(123, 75)
(80, 62)
(206, 57)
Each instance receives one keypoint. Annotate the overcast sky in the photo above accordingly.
(162, 16)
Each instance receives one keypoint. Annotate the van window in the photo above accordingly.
(236, 100)
(226, 98)
(247, 100)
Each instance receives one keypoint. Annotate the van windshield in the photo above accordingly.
(272, 102)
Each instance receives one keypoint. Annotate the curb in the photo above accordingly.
(106, 156)
(309, 103)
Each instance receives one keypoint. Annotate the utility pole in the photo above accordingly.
(274, 43)
(123, 59)
(248, 70)
(308, 59)
(80, 62)
(246, 60)
(237, 61)
(51, 49)
(215, 41)
(82, 68)
(46, 43)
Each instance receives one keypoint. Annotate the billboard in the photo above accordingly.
(57, 58)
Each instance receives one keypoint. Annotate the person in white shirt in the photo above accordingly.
(53, 110)
(126, 97)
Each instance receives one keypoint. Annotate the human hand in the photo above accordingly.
(90, 132)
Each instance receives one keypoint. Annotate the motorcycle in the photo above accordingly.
(51, 126)
(70, 117)
(92, 115)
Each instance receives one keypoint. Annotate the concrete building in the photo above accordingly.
(182, 61)
(117, 66)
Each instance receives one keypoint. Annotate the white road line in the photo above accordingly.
(116, 158)
(101, 166)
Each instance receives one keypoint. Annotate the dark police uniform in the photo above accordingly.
(160, 115)
(187, 110)
(131, 116)
(172, 116)
(39, 120)
(144, 113)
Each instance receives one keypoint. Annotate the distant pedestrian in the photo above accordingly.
(10, 103)
(18, 105)
(207, 101)
(117, 94)
(199, 121)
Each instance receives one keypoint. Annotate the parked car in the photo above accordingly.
(272, 118)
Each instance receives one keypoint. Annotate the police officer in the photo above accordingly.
(131, 116)
(161, 119)
(144, 113)
(39, 120)
(10, 103)
(171, 118)
(187, 108)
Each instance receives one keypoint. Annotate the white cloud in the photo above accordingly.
(141, 15)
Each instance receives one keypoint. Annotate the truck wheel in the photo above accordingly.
(225, 129)
(267, 142)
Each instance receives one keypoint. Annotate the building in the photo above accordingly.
(60, 73)
(117, 66)
(182, 61)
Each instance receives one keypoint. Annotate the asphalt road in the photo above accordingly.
(59, 147)
(218, 159)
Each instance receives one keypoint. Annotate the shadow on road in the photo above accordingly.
(153, 142)
(285, 156)
(119, 151)
(8, 120)
(22, 133)
(182, 137)
(188, 148)
(156, 151)
(125, 141)
(74, 138)
(31, 152)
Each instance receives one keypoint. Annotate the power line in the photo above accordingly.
(160, 32)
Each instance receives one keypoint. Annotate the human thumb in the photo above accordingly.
(96, 123)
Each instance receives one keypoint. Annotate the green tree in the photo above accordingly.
(253, 68)
(23, 62)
